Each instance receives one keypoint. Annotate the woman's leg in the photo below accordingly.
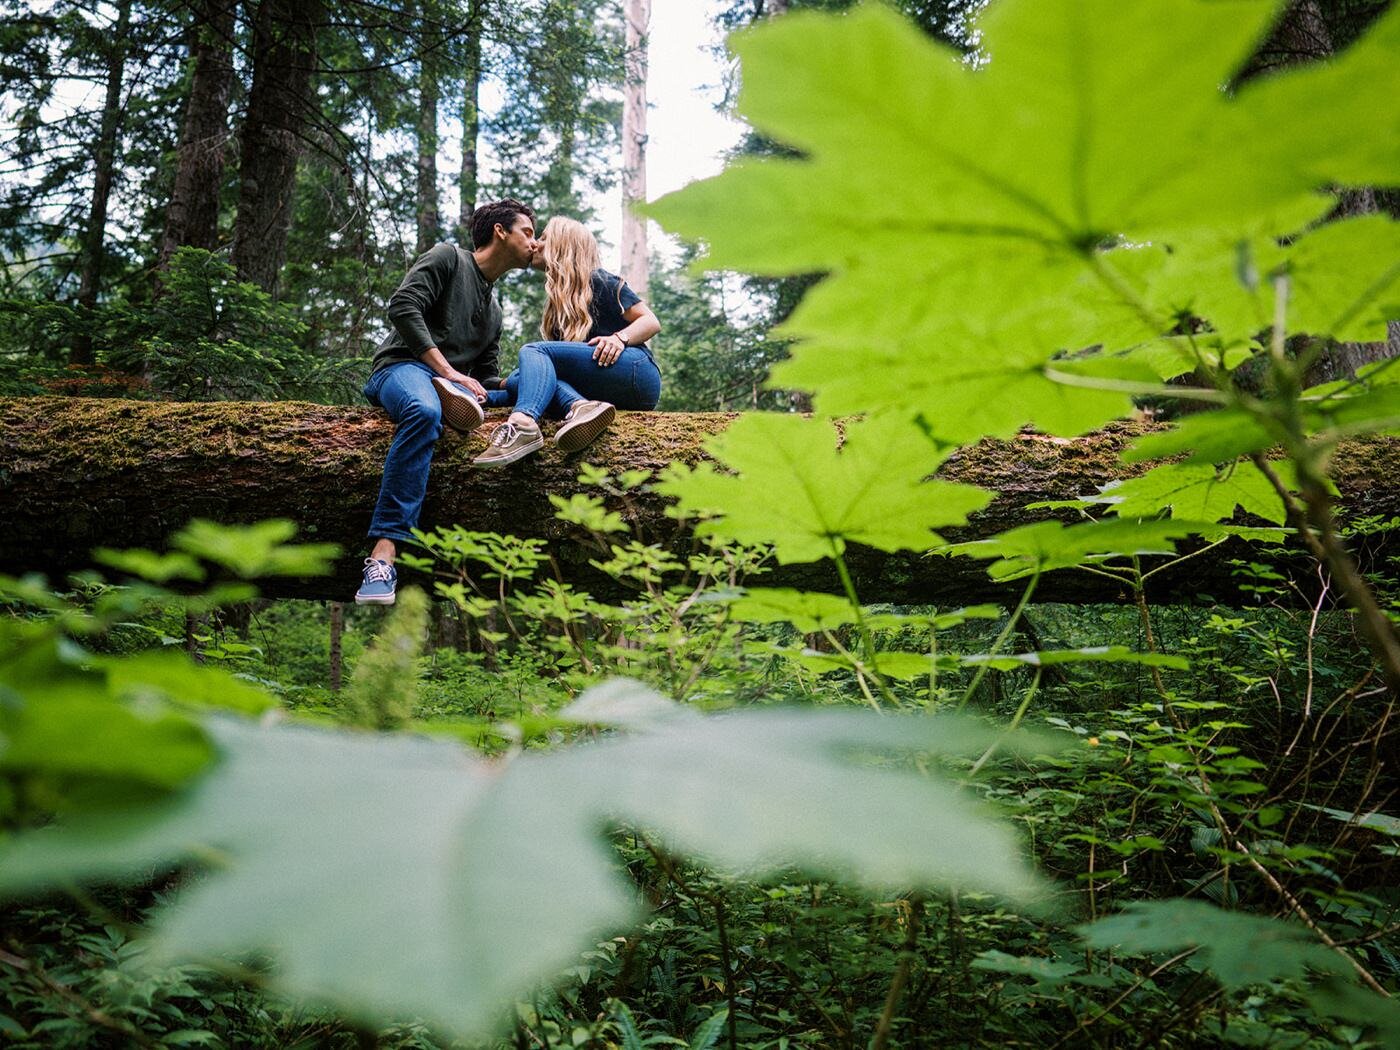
(535, 388)
(632, 382)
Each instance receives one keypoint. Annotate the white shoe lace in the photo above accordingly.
(377, 571)
(504, 434)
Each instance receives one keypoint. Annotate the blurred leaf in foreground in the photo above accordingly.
(393, 874)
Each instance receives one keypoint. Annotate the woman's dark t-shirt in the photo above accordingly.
(612, 297)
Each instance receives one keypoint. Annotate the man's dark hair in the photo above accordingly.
(485, 218)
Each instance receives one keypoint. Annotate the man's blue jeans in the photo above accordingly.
(552, 376)
(405, 391)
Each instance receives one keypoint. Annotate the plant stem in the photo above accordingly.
(1015, 721)
(1001, 639)
(907, 954)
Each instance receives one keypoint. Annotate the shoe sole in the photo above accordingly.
(580, 436)
(460, 411)
(513, 455)
(374, 599)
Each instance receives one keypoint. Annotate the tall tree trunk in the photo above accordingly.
(1299, 35)
(634, 147)
(193, 215)
(284, 52)
(429, 222)
(337, 610)
(104, 169)
(471, 124)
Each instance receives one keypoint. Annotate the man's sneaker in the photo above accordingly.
(585, 421)
(378, 587)
(509, 442)
(460, 410)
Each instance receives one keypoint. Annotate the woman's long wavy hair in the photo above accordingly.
(570, 257)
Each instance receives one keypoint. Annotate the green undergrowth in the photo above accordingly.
(725, 814)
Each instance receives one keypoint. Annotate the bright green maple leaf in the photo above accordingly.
(394, 875)
(808, 611)
(1342, 281)
(1202, 492)
(796, 490)
(986, 211)
(1047, 545)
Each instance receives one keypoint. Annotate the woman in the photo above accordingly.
(593, 360)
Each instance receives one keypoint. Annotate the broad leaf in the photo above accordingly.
(251, 551)
(807, 611)
(1206, 438)
(1201, 493)
(1018, 207)
(466, 882)
(1088, 654)
(63, 719)
(1239, 949)
(796, 490)
(1050, 545)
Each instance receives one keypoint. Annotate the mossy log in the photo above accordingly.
(77, 473)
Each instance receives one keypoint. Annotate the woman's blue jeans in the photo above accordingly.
(552, 376)
(405, 391)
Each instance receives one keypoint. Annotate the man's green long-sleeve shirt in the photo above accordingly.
(445, 301)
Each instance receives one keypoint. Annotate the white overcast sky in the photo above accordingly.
(686, 135)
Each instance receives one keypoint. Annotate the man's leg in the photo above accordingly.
(406, 393)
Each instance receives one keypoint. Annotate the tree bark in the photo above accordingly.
(80, 473)
(337, 628)
(192, 217)
(284, 52)
(429, 220)
(1301, 35)
(471, 124)
(104, 171)
(634, 146)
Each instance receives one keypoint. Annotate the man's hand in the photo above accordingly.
(467, 381)
(607, 349)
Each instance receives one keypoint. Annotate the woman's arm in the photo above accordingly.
(641, 324)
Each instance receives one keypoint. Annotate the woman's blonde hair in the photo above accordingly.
(570, 257)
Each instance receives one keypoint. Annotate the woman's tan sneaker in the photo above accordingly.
(585, 421)
(460, 410)
(511, 441)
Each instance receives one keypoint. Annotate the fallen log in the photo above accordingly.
(78, 473)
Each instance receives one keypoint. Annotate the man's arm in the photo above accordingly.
(408, 307)
(420, 289)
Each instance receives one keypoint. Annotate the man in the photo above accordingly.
(434, 368)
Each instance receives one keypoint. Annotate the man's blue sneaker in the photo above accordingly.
(380, 581)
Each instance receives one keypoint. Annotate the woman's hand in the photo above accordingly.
(607, 349)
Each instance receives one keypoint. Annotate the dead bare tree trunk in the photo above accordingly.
(192, 217)
(634, 147)
(104, 170)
